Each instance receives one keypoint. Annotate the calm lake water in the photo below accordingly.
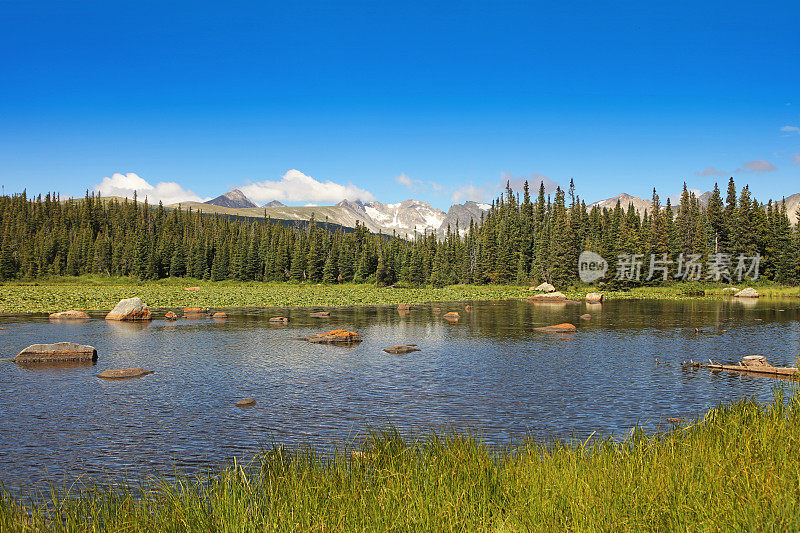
(490, 373)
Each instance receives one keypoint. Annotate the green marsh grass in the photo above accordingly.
(736, 468)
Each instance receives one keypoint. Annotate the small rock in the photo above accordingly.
(279, 320)
(191, 288)
(674, 420)
(594, 297)
(123, 373)
(246, 402)
(545, 287)
(558, 328)
(587, 316)
(337, 336)
(320, 314)
(468, 309)
(219, 314)
(400, 349)
(72, 314)
(130, 309)
(550, 297)
(749, 292)
(56, 353)
(452, 315)
(169, 315)
(195, 312)
(403, 307)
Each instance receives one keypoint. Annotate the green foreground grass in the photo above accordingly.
(102, 293)
(735, 469)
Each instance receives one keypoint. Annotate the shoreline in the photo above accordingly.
(101, 294)
(730, 468)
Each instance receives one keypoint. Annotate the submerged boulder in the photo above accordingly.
(56, 353)
(195, 312)
(246, 402)
(401, 349)
(72, 314)
(558, 328)
(594, 297)
(320, 314)
(279, 320)
(336, 336)
(586, 316)
(749, 292)
(452, 315)
(219, 314)
(123, 373)
(169, 315)
(130, 309)
(545, 287)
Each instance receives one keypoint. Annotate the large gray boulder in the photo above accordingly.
(749, 292)
(59, 352)
(129, 309)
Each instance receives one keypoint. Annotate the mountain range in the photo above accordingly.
(403, 218)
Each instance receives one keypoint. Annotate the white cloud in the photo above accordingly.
(407, 182)
(470, 192)
(710, 171)
(790, 129)
(294, 186)
(125, 185)
(759, 165)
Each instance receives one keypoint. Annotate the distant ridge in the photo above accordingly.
(274, 203)
(234, 199)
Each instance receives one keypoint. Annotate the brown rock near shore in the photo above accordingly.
(123, 373)
(279, 320)
(130, 309)
(336, 336)
(219, 315)
(320, 314)
(56, 353)
(401, 349)
(558, 328)
(548, 297)
(169, 315)
(594, 297)
(195, 312)
(72, 314)
(451, 316)
(246, 402)
(403, 307)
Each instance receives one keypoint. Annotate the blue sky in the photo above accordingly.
(311, 101)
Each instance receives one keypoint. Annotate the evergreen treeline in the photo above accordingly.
(523, 240)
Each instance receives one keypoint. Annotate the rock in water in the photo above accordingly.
(219, 314)
(587, 316)
(545, 287)
(749, 292)
(558, 328)
(123, 373)
(129, 309)
(452, 315)
(279, 320)
(337, 336)
(246, 402)
(195, 312)
(594, 297)
(56, 353)
(400, 349)
(549, 297)
(403, 307)
(72, 314)
(320, 314)
(169, 315)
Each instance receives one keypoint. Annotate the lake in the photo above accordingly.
(490, 373)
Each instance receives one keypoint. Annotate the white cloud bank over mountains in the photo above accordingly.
(294, 186)
(125, 185)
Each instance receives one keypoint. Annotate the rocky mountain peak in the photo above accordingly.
(234, 199)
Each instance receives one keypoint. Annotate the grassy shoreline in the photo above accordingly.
(733, 469)
(102, 293)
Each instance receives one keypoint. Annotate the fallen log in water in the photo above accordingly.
(754, 364)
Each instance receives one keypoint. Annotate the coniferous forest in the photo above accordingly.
(525, 238)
